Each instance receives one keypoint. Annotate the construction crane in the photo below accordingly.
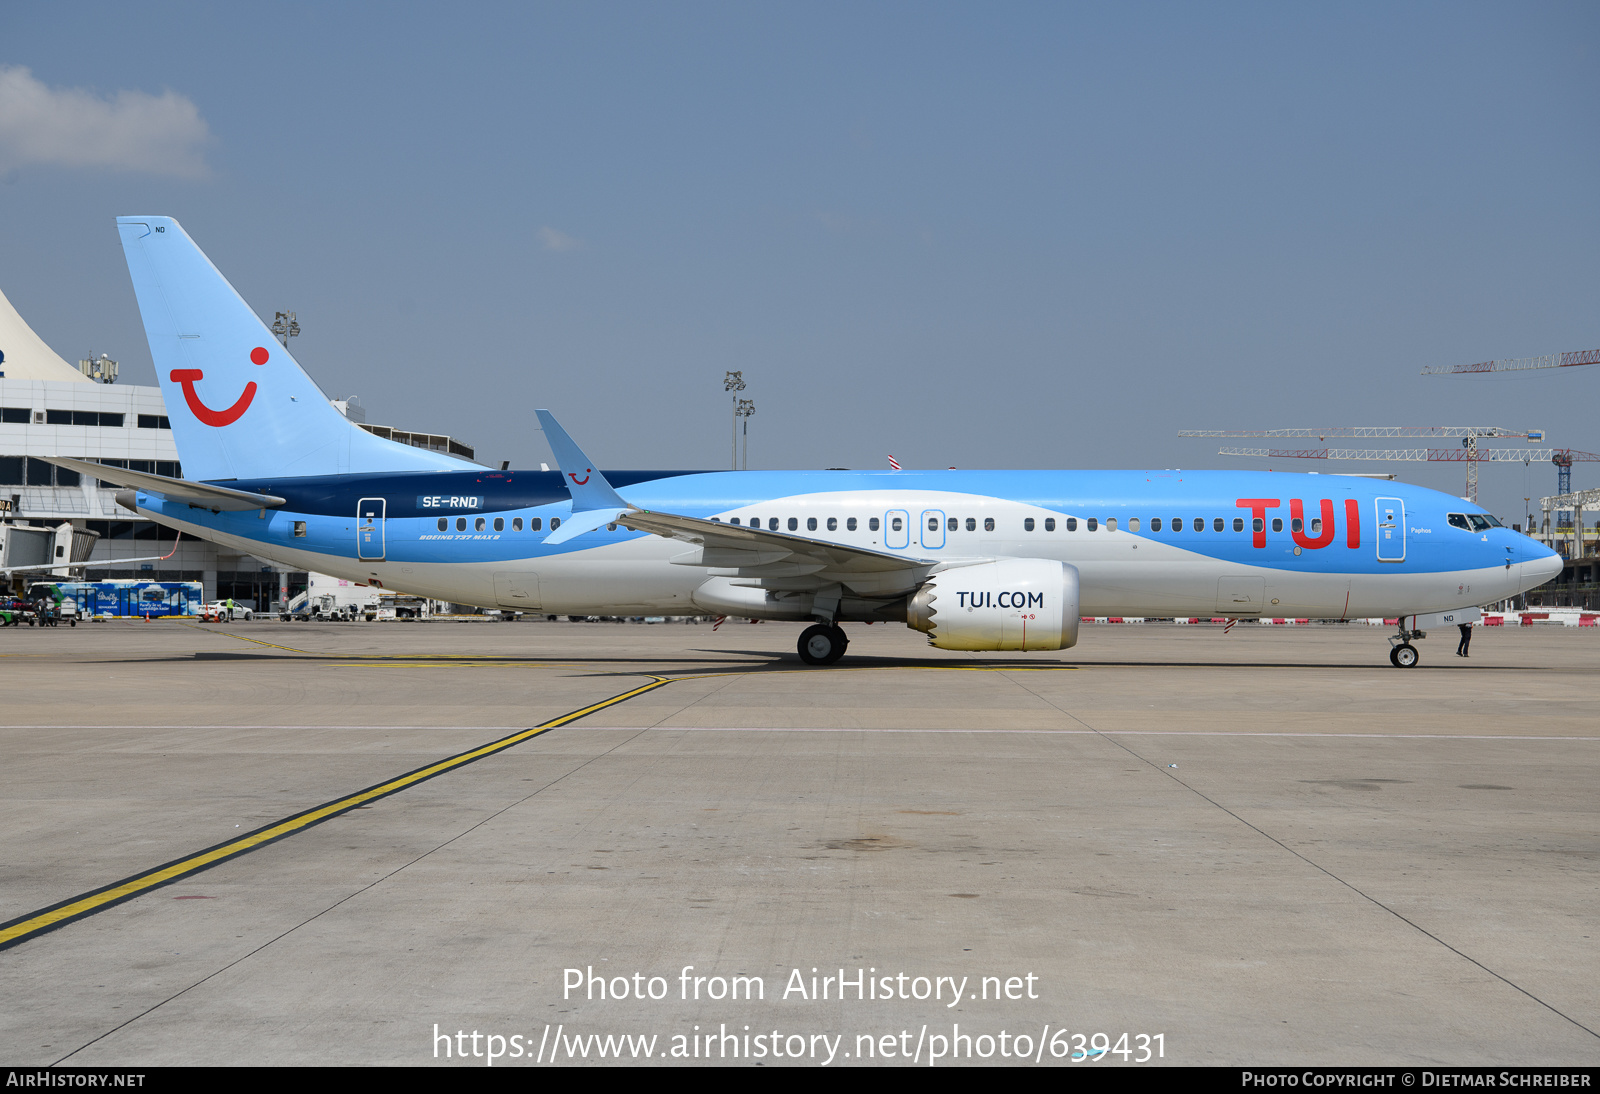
(1321, 432)
(1469, 452)
(1563, 458)
(1519, 364)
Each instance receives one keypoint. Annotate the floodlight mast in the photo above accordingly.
(285, 326)
(734, 382)
(746, 408)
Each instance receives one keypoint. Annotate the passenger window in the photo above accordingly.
(872, 524)
(555, 522)
(933, 524)
(1217, 525)
(1133, 525)
(1316, 526)
(1277, 524)
(499, 524)
(772, 524)
(734, 521)
(1092, 523)
(1049, 524)
(461, 524)
(1238, 524)
(1199, 524)
(535, 523)
(1177, 524)
(1255, 524)
(477, 525)
(972, 524)
(1072, 524)
(1296, 525)
(850, 524)
(952, 525)
(833, 524)
(988, 524)
(300, 528)
(516, 524)
(1111, 525)
(444, 522)
(895, 524)
(811, 524)
(1155, 524)
(1027, 524)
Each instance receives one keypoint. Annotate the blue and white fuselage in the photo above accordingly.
(980, 560)
(1143, 542)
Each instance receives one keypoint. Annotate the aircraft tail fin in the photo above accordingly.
(240, 406)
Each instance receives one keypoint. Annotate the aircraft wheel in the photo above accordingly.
(1404, 656)
(822, 644)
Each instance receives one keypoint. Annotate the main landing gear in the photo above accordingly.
(822, 644)
(1402, 654)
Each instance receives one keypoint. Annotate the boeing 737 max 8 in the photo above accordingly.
(979, 560)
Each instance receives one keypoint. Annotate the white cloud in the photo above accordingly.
(558, 241)
(73, 127)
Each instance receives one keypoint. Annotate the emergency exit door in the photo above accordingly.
(369, 529)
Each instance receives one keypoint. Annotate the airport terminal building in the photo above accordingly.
(50, 408)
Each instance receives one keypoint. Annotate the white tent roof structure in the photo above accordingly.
(26, 357)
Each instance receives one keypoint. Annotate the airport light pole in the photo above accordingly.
(734, 382)
(746, 408)
(285, 326)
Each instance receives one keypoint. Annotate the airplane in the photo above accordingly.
(978, 560)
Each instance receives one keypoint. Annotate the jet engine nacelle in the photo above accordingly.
(1012, 604)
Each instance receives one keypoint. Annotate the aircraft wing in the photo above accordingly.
(726, 545)
(781, 560)
(201, 495)
(752, 556)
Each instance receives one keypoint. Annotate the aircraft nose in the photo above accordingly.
(1545, 565)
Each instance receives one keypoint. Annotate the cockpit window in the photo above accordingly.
(1479, 523)
(1459, 520)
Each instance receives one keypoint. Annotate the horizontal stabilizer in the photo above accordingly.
(201, 495)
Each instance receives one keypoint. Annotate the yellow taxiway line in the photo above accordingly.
(57, 915)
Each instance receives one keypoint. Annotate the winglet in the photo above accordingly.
(591, 493)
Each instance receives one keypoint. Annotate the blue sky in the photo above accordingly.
(993, 235)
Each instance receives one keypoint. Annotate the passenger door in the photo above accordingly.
(933, 529)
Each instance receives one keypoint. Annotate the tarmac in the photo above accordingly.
(1264, 847)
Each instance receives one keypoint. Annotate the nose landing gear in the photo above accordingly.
(822, 644)
(1402, 654)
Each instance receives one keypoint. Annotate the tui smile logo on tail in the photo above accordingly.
(587, 471)
(218, 418)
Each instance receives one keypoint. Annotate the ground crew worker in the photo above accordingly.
(1466, 639)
